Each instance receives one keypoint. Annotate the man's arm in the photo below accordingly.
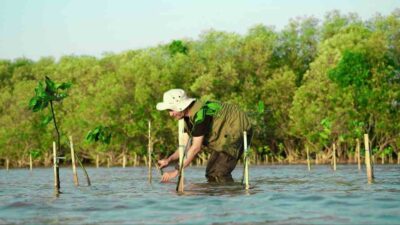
(191, 153)
(193, 150)
(175, 156)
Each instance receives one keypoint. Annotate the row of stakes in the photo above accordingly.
(368, 161)
(182, 154)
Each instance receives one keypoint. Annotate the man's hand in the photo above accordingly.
(163, 163)
(169, 175)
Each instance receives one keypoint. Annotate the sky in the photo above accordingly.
(42, 28)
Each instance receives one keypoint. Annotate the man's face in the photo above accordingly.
(176, 115)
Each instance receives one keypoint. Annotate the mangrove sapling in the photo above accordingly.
(100, 134)
(45, 96)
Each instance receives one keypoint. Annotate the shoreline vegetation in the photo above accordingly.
(105, 162)
(314, 88)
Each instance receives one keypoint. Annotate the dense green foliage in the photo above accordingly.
(312, 83)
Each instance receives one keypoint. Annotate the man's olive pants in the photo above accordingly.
(221, 164)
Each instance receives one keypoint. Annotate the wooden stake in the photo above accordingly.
(7, 164)
(84, 170)
(334, 156)
(358, 154)
(75, 174)
(30, 162)
(56, 170)
(149, 152)
(108, 162)
(134, 159)
(180, 186)
(370, 170)
(97, 160)
(246, 162)
(398, 157)
(123, 160)
(308, 159)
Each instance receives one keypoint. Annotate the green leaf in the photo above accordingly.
(35, 153)
(47, 120)
(61, 96)
(50, 86)
(99, 133)
(261, 107)
(63, 86)
(33, 102)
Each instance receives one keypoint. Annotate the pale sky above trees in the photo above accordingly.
(36, 29)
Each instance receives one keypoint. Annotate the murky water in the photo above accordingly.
(279, 195)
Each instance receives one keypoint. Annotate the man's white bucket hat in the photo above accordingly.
(176, 100)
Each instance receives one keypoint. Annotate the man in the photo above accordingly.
(218, 126)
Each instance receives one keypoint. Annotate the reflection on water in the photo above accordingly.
(278, 195)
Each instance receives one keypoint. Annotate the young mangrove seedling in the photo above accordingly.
(46, 95)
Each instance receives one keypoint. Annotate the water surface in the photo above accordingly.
(280, 194)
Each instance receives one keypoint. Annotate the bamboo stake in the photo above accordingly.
(108, 162)
(398, 157)
(246, 162)
(123, 160)
(308, 159)
(358, 154)
(56, 170)
(149, 153)
(84, 170)
(334, 156)
(181, 148)
(30, 162)
(134, 159)
(370, 169)
(383, 158)
(7, 164)
(75, 174)
(97, 160)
